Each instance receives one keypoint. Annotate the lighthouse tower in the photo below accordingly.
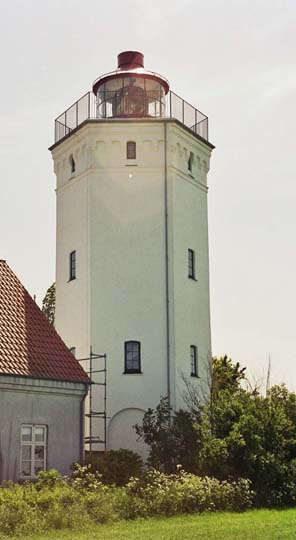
(132, 268)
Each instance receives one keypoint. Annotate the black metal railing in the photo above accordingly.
(88, 107)
(81, 110)
(188, 115)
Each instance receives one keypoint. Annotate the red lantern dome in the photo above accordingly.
(131, 90)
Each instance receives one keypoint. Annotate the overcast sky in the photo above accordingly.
(232, 59)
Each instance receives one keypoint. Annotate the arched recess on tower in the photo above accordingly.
(121, 434)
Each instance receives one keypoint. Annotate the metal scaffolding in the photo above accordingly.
(93, 415)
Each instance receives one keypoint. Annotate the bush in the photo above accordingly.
(19, 511)
(180, 493)
(84, 479)
(116, 466)
(54, 502)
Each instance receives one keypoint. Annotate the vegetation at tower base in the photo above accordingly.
(115, 466)
(239, 433)
(48, 303)
(55, 502)
(172, 439)
(238, 448)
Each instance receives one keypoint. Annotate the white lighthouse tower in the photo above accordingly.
(132, 269)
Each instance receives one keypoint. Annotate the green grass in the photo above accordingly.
(252, 525)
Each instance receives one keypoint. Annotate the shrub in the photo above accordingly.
(50, 479)
(162, 494)
(116, 466)
(54, 502)
(84, 479)
(18, 510)
(104, 507)
(63, 507)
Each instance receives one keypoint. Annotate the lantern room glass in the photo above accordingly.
(131, 96)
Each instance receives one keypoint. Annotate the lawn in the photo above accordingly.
(255, 524)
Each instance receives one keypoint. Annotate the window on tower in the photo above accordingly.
(72, 164)
(194, 360)
(72, 265)
(190, 162)
(131, 150)
(191, 264)
(132, 357)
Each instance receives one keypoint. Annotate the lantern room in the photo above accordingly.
(131, 91)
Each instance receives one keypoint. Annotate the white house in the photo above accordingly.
(132, 269)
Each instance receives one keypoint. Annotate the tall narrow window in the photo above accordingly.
(131, 150)
(33, 449)
(72, 265)
(190, 162)
(132, 357)
(193, 360)
(191, 264)
(72, 164)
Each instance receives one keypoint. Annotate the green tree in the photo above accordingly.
(236, 433)
(247, 435)
(172, 438)
(226, 375)
(48, 303)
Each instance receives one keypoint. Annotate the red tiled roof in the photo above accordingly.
(29, 345)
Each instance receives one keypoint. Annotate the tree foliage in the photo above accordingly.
(48, 303)
(172, 439)
(226, 375)
(236, 433)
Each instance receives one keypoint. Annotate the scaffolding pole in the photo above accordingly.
(92, 414)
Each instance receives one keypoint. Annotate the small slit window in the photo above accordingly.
(72, 164)
(132, 357)
(191, 264)
(131, 150)
(194, 360)
(190, 162)
(72, 265)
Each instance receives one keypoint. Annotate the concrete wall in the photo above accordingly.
(118, 227)
(58, 405)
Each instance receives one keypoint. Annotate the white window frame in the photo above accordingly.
(32, 444)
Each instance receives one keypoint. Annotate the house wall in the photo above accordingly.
(56, 404)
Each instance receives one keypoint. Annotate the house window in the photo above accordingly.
(73, 350)
(131, 150)
(72, 164)
(33, 449)
(132, 357)
(193, 360)
(72, 265)
(191, 264)
(190, 162)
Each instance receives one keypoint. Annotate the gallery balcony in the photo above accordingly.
(131, 102)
